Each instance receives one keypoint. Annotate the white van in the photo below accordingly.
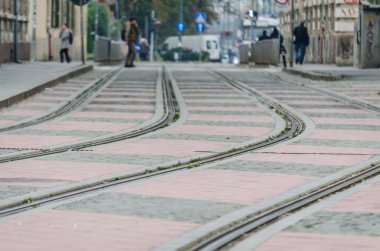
(206, 43)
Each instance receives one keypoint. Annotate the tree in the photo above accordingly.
(102, 23)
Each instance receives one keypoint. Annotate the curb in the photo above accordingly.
(61, 78)
(313, 75)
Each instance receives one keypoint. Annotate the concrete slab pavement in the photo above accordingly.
(18, 81)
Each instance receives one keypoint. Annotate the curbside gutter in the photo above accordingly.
(313, 75)
(60, 78)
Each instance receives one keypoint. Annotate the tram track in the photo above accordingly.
(169, 115)
(223, 237)
(68, 107)
(294, 127)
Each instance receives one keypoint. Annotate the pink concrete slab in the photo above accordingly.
(111, 115)
(21, 113)
(219, 185)
(302, 149)
(316, 159)
(211, 93)
(36, 104)
(85, 126)
(6, 122)
(342, 111)
(95, 106)
(178, 148)
(35, 184)
(220, 108)
(60, 170)
(237, 102)
(30, 141)
(138, 99)
(217, 117)
(312, 102)
(221, 130)
(289, 241)
(68, 230)
(365, 201)
(345, 135)
(358, 121)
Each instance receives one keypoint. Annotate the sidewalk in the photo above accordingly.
(328, 72)
(18, 81)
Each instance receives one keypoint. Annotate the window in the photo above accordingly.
(216, 44)
(208, 45)
(55, 22)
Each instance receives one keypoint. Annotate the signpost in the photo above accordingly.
(180, 27)
(200, 25)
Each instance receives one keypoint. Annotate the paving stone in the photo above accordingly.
(123, 102)
(118, 110)
(199, 104)
(12, 191)
(74, 133)
(340, 223)
(350, 127)
(230, 123)
(147, 160)
(110, 120)
(338, 143)
(341, 115)
(153, 207)
(231, 113)
(312, 106)
(278, 167)
(200, 137)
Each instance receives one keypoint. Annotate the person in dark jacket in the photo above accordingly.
(301, 41)
(264, 36)
(131, 36)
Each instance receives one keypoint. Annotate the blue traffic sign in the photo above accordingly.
(200, 17)
(181, 27)
(200, 27)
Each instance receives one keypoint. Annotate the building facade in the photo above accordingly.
(8, 19)
(46, 20)
(38, 25)
(331, 26)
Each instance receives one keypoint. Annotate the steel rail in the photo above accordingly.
(233, 231)
(67, 108)
(238, 229)
(294, 127)
(169, 115)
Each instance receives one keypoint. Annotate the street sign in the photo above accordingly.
(200, 17)
(181, 27)
(80, 2)
(200, 27)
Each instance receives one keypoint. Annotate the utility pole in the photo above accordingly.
(15, 31)
(96, 29)
(291, 35)
(82, 33)
(34, 47)
(151, 51)
(179, 33)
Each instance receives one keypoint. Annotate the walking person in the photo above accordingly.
(301, 41)
(131, 35)
(66, 37)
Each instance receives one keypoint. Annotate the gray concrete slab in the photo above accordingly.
(18, 81)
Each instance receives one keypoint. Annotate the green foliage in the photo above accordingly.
(102, 23)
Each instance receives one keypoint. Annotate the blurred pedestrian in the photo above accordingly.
(301, 41)
(264, 36)
(131, 36)
(66, 37)
(144, 49)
